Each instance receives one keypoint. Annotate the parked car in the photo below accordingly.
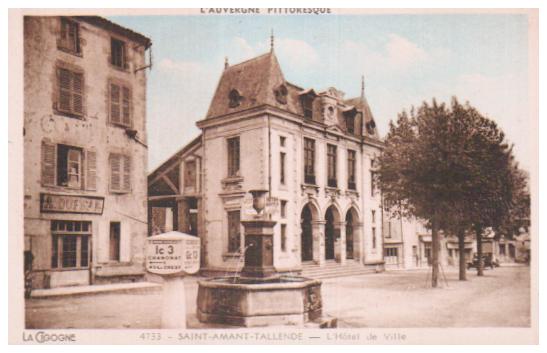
(489, 261)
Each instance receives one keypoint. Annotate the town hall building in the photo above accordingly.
(313, 151)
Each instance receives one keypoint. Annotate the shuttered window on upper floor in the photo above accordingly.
(68, 166)
(120, 104)
(70, 89)
(120, 173)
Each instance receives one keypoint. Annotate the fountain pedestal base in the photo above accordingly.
(286, 301)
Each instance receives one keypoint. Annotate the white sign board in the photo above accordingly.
(172, 253)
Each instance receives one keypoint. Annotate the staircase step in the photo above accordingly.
(333, 269)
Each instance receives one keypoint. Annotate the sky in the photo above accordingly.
(405, 58)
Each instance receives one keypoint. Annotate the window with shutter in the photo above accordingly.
(91, 180)
(120, 104)
(71, 92)
(126, 106)
(64, 90)
(115, 172)
(120, 173)
(77, 94)
(115, 104)
(49, 156)
(126, 173)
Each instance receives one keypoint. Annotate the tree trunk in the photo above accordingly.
(434, 253)
(478, 234)
(461, 249)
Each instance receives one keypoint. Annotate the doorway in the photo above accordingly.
(307, 234)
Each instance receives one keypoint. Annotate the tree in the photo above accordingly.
(449, 167)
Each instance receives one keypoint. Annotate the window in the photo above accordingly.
(235, 98)
(350, 124)
(120, 173)
(309, 161)
(373, 212)
(69, 166)
(115, 241)
(351, 170)
(70, 92)
(233, 156)
(283, 210)
(281, 93)
(190, 174)
(120, 104)
(63, 165)
(282, 140)
(69, 39)
(118, 53)
(502, 249)
(388, 233)
(282, 168)
(331, 166)
(234, 233)
(70, 244)
(372, 178)
(307, 106)
(283, 237)
(391, 252)
(374, 237)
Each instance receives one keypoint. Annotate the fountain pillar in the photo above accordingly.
(259, 244)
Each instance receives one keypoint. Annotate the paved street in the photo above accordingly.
(390, 299)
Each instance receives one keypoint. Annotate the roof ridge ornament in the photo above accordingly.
(226, 63)
(272, 41)
(362, 86)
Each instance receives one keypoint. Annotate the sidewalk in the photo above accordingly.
(137, 287)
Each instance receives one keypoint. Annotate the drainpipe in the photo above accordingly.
(363, 250)
(269, 158)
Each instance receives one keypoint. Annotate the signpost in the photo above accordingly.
(172, 255)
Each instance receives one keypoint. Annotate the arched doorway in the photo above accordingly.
(351, 227)
(306, 237)
(332, 232)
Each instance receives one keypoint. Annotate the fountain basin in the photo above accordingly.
(252, 302)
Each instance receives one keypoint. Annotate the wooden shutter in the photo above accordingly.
(77, 93)
(115, 172)
(64, 90)
(49, 157)
(91, 174)
(126, 173)
(115, 103)
(126, 108)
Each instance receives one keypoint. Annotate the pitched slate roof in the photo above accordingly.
(256, 80)
(361, 104)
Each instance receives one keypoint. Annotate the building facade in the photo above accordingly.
(313, 151)
(85, 153)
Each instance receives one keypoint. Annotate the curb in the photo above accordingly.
(138, 287)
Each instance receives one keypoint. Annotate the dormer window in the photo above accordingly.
(235, 98)
(281, 94)
(350, 124)
(307, 107)
(371, 125)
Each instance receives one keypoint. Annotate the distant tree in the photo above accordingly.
(449, 167)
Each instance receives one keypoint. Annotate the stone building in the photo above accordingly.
(313, 151)
(85, 152)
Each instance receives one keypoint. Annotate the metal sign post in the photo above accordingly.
(173, 255)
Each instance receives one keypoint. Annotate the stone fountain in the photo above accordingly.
(259, 296)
